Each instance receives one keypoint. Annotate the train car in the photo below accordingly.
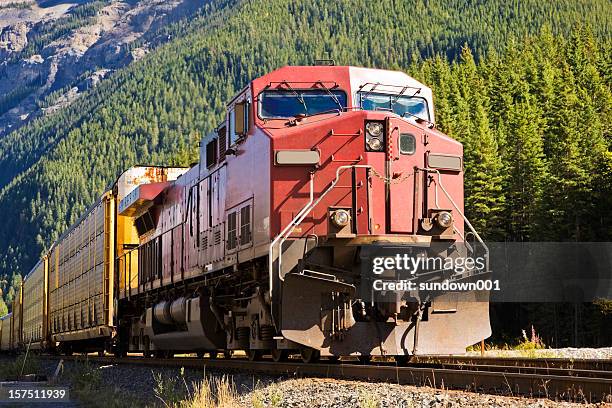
(6, 332)
(81, 265)
(261, 245)
(35, 307)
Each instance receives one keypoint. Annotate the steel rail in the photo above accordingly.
(523, 362)
(567, 372)
(483, 378)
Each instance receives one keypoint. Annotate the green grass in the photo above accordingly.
(14, 369)
(87, 387)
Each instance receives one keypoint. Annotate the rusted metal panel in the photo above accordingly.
(136, 176)
(139, 199)
(152, 254)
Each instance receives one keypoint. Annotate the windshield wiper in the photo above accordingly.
(298, 97)
(334, 97)
(370, 91)
(404, 89)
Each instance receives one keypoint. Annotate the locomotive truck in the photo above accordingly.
(262, 245)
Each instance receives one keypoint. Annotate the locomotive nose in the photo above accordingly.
(393, 153)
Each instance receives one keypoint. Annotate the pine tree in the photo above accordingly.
(485, 198)
(527, 173)
(483, 167)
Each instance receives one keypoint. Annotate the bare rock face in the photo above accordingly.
(100, 43)
(13, 38)
(138, 53)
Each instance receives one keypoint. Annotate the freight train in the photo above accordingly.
(263, 245)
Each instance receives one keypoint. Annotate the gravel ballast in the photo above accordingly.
(136, 385)
(314, 392)
(604, 353)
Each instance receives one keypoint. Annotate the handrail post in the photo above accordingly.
(467, 222)
(280, 238)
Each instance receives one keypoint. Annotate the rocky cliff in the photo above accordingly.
(52, 51)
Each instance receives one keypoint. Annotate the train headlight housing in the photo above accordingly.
(374, 144)
(444, 219)
(340, 218)
(374, 129)
(374, 136)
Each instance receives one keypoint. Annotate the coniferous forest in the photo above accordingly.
(525, 86)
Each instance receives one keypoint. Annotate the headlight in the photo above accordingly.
(341, 218)
(374, 137)
(374, 143)
(374, 128)
(444, 219)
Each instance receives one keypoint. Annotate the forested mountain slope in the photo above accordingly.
(533, 113)
(51, 52)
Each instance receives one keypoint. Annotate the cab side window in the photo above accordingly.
(233, 136)
(238, 121)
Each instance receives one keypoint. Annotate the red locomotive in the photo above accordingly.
(262, 246)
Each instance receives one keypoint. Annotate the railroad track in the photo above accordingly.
(550, 378)
(569, 363)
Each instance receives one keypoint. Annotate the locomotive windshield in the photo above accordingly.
(404, 105)
(290, 103)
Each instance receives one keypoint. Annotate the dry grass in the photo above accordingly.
(208, 393)
(257, 399)
(368, 400)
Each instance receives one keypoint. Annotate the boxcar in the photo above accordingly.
(34, 333)
(80, 279)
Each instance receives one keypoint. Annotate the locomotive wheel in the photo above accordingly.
(147, 353)
(119, 351)
(279, 355)
(254, 355)
(402, 360)
(333, 359)
(164, 354)
(310, 355)
(66, 349)
(365, 359)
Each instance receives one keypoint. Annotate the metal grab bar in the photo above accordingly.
(312, 203)
(467, 222)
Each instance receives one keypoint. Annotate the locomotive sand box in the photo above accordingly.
(263, 244)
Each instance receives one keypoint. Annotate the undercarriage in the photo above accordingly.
(322, 306)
